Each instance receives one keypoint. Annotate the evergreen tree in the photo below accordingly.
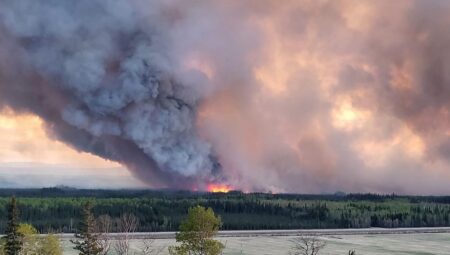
(13, 237)
(87, 242)
(197, 232)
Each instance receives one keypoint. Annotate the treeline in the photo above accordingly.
(58, 209)
(63, 191)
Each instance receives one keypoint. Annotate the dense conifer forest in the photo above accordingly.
(59, 209)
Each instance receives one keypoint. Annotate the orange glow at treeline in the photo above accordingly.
(219, 188)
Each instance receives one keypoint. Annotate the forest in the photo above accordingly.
(58, 209)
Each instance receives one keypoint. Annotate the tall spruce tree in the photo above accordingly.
(87, 240)
(13, 237)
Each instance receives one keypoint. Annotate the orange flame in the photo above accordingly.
(219, 188)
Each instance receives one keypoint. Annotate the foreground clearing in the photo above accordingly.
(398, 244)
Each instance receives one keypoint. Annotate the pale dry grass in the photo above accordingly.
(392, 244)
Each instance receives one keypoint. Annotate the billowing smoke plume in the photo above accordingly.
(99, 74)
(299, 96)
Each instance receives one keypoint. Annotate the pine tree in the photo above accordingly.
(87, 242)
(12, 236)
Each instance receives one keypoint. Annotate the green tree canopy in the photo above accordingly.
(196, 233)
(33, 244)
(13, 238)
(27, 229)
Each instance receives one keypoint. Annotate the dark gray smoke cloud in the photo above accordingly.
(100, 78)
(299, 96)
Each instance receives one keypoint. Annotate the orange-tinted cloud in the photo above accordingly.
(303, 96)
(339, 98)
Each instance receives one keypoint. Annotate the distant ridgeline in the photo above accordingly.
(58, 209)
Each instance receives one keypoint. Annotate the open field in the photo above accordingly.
(367, 243)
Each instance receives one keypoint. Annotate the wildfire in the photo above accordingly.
(218, 188)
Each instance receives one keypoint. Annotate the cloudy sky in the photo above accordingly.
(305, 96)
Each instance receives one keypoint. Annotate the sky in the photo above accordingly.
(305, 96)
(29, 158)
